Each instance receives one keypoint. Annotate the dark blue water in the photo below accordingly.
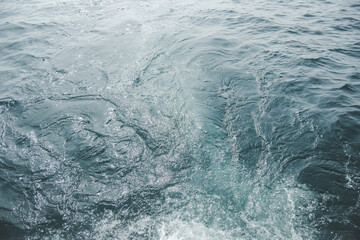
(179, 119)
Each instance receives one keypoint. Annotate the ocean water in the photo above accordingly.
(179, 120)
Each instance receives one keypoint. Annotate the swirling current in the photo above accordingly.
(165, 119)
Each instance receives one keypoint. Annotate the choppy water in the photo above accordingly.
(179, 119)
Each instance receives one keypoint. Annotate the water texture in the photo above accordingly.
(150, 119)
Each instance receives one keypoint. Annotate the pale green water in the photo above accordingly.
(179, 119)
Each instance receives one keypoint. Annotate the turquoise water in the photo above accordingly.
(179, 119)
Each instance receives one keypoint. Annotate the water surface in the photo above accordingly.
(179, 119)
